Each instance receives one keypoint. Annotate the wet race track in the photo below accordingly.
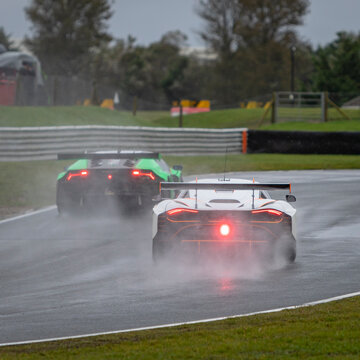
(66, 276)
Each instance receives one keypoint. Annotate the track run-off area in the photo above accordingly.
(69, 276)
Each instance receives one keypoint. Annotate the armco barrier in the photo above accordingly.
(41, 143)
(303, 142)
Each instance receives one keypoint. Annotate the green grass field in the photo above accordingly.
(250, 118)
(62, 115)
(79, 115)
(230, 118)
(327, 331)
(336, 125)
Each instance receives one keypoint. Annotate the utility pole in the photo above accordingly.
(292, 75)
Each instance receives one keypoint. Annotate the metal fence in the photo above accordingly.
(69, 91)
(43, 143)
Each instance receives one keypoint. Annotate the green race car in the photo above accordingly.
(131, 177)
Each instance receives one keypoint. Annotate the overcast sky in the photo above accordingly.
(147, 20)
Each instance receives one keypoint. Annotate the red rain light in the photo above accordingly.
(224, 229)
(109, 176)
(141, 173)
(181, 210)
(268, 211)
(82, 173)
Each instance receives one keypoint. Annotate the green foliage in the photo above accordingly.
(253, 40)
(154, 73)
(250, 39)
(5, 39)
(67, 32)
(337, 66)
(235, 24)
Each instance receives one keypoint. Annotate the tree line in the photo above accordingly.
(252, 41)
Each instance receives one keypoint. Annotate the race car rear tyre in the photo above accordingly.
(284, 249)
(130, 204)
(158, 251)
(67, 204)
(290, 251)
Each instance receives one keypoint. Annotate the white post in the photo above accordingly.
(323, 107)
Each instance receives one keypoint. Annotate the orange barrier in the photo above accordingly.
(244, 142)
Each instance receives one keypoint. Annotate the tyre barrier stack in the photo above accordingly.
(303, 142)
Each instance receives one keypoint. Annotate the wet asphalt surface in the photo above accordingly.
(65, 276)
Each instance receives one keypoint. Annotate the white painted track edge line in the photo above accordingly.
(18, 217)
(313, 303)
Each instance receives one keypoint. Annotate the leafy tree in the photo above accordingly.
(67, 32)
(105, 62)
(252, 39)
(5, 39)
(197, 80)
(233, 24)
(166, 57)
(153, 73)
(157, 73)
(337, 66)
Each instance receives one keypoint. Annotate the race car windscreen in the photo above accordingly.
(206, 195)
(112, 163)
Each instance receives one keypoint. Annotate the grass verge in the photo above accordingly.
(62, 115)
(91, 115)
(230, 118)
(336, 125)
(31, 184)
(318, 332)
(27, 185)
(263, 162)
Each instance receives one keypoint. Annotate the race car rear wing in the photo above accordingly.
(103, 156)
(227, 186)
(221, 186)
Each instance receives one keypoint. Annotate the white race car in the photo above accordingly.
(231, 215)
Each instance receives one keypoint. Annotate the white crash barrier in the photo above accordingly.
(43, 143)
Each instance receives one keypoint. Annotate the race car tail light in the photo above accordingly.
(181, 211)
(224, 229)
(82, 174)
(267, 216)
(139, 173)
(267, 211)
(109, 176)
